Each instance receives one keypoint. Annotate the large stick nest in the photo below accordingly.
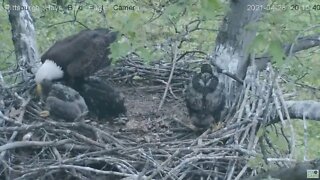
(151, 144)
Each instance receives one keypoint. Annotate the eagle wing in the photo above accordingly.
(94, 56)
(64, 51)
(102, 98)
(193, 99)
(82, 54)
(215, 101)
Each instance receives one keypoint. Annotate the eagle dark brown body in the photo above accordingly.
(73, 60)
(204, 99)
(82, 54)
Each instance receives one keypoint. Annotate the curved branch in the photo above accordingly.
(303, 43)
(299, 171)
(309, 109)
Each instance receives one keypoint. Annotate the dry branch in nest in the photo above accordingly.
(45, 148)
(152, 78)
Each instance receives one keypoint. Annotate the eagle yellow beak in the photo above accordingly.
(39, 89)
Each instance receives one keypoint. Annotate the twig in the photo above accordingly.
(170, 88)
(159, 168)
(81, 137)
(175, 52)
(64, 166)
(108, 136)
(305, 138)
(19, 144)
(20, 118)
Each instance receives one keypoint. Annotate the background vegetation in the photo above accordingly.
(154, 25)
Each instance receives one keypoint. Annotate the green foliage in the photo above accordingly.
(278, 142)
(257, 162)
(118, 49)
(144, 53)
(7, 56)
(146, 28)
(276, 51)
(208, 6)
(312, 138)
(161, 23)
(259, 44)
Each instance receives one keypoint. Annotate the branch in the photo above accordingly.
(19, 144)
(170, 77)
(309, 109)
(299, 171)
(80, 168)
(302, 43)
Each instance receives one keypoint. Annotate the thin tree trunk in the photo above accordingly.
(23, 36)
(232, 42)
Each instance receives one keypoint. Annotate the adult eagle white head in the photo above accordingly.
(50, 71)
(76, 57)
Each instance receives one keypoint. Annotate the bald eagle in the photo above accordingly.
(76, 57)
(62, 101)
(203, 98)
(102, 99)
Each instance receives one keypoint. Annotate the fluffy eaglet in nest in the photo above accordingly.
(203, 98)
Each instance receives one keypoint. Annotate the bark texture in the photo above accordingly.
(23, 37)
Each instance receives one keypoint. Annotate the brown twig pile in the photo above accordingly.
(153, 77)
(33, 147)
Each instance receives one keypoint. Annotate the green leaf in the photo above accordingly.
(276, 51)
(137, 77)
(278, 142)
(259, 43)
(209, 6)
(133, 21)
(145, 54)
(119, 49)
(214, 4)
(256, 162)
(172, 10)
(260, 132)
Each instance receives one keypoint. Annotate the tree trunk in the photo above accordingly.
(232, 42)
(23, 36)
(260, 99)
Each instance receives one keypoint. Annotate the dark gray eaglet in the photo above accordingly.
(62, 101)
(203, 98)
(102, 99)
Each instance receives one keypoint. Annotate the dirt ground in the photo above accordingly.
(142, 110)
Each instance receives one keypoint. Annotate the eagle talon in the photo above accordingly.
(216, 127)
(44, 114)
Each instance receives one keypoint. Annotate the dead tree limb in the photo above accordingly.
(23, 37)
(308, 109)
(298, 172)
(302, 43)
